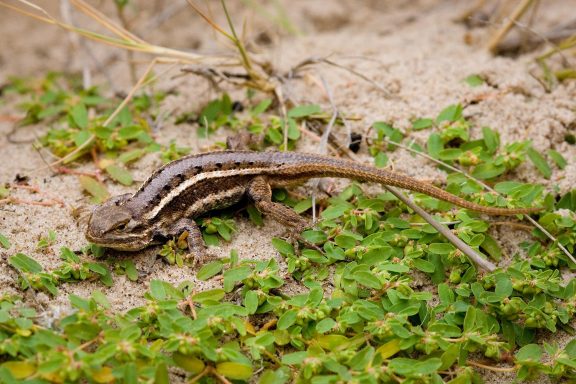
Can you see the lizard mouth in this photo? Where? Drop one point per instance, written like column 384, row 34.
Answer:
column 121, row 242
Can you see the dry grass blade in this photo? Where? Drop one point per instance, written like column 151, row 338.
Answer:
column 103, row 20
column 110, row 118
column 257, row 77
column 126, row 40
column 518, row 12
column 209, row 20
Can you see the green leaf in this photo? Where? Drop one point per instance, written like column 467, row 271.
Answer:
column 119, row 174
column 450, row 113
column 94, row 188
column 19, row 370
column 4, row 192
column 161, row 375
column 130, row 156
column 410, row 367
column 81, row 137
column 130, row 132
column 424, row 265
column 380, row 160
column 361, row 359
column 450, row 154
column 131, row 271
column 294, row 358
column 303, row 206
column 209, row 270
column 393, row 267
column 367, row 279
column 4, row 242
column 389, row 349
column 314, row 237
column 282, row 246
column 261, row 107
column 469, row 319
column 336, row 210
column 422, row 124
column 491, row 247
column 162, row 290
column 529, row 353
column 189, row 363
column 97, row 268
column 445, row 294
column 234, row 371
column 238, row 273
column 345, row 241
column 557, row 158
column 80, row 115
column 503, row 285
column 332, row 342
column 488, row 171
column 474, row 80
column 304, row 111
column 491, row 139
column 263, row 339
column 233, row 275
column 440, row 248
column 279, row 376
column 255, row 215
column 567, row 362
column 216, row 294
column 568, row 201
column 325, row 325
column 435, row 145
column 540, row 162
column 24, row 263
column 293, row 130
column 385, row 129
column 251, row 301
column 287, row 319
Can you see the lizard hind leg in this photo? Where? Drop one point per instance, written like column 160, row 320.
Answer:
column 261, row 193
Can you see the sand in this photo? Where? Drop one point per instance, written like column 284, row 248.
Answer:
column 413, row 49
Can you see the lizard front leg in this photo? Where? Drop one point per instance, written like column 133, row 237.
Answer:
column 195, row 242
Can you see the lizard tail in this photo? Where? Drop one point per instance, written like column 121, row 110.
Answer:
column 330, row 167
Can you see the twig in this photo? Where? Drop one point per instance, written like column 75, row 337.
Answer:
column 531, row 220
column 523, row 227
column 444, row 231
column 488, row 367
column 283, row 114
column 324, row 140
column 325, row 60
column 222, row 379
column 14, row 200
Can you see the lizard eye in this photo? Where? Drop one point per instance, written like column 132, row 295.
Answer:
column 122, row 226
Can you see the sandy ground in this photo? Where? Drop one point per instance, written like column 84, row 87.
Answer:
column 413, row 49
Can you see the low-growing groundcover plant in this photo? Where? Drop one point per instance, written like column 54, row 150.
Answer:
column 381, row 296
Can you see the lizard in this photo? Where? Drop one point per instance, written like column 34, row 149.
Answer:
column 167, row 203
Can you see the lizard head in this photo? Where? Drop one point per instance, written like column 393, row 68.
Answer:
column 112, row 225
